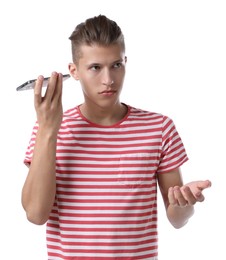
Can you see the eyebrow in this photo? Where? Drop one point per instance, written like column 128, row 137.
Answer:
column 120, row 60
column 98, row 64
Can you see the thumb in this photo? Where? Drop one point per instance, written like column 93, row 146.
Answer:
column 201, row 186
column 204, row 184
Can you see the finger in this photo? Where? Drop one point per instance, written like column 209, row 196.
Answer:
column 188, row 195
column 181, row 200
column 58, row 90
column 38, row 90
column 204, row 184
column 201, row 186
column 200, row 197
column 51, row 86
column 171, row 197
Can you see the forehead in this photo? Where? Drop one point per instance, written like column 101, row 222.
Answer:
column 99, row 54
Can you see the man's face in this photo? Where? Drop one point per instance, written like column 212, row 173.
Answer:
column 101, row 72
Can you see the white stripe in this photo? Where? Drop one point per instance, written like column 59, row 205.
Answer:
column 103, row 190
column 100, row 142
column 111, row 169
column 117, row 162
column 107, row 176
column 99, row 240
column 102, row 254
column 118, row 150
column 76, row 127
column 122, row 218
column 109, row 198
column 121, row 204
column 106, row 233
column 104, row 211
column 103, row 156
column 102, row 226
column 102, row 247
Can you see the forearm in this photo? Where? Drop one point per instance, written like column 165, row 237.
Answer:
column 39, row 190
column 179, row 216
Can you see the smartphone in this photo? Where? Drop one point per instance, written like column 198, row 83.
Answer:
column 30, row 84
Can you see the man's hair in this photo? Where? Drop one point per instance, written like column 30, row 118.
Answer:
column 98, row 30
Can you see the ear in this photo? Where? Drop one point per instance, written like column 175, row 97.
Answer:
column 73, row 71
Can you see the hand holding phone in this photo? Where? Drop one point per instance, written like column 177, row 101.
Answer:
column 49, row 107
column 30, row 84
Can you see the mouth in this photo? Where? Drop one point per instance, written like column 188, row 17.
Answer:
column 107, row 92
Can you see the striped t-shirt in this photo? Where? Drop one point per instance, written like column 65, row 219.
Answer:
column 106, row 199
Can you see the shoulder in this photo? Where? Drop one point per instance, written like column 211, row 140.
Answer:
column 72, row 112
column 72, row 118
column 147, row 115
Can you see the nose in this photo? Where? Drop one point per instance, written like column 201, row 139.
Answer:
column 107, row 78
column 109, row 83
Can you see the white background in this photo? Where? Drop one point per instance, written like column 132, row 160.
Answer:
column 176, row 66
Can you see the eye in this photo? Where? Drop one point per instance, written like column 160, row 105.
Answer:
column 95, row 67
column 117, row 65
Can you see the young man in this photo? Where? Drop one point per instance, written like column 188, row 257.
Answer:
column 94, row 169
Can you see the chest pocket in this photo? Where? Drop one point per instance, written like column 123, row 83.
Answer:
column 136, row 170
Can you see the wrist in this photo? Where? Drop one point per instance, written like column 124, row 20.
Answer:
column 47, row 134
column 179, row 216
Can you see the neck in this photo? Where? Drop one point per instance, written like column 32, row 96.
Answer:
column 104, row 116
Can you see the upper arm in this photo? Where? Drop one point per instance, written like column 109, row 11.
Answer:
column 167, row 180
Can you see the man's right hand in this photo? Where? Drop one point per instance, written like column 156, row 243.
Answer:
column 49, row 107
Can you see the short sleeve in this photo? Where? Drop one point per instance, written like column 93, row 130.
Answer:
column 173, row 153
